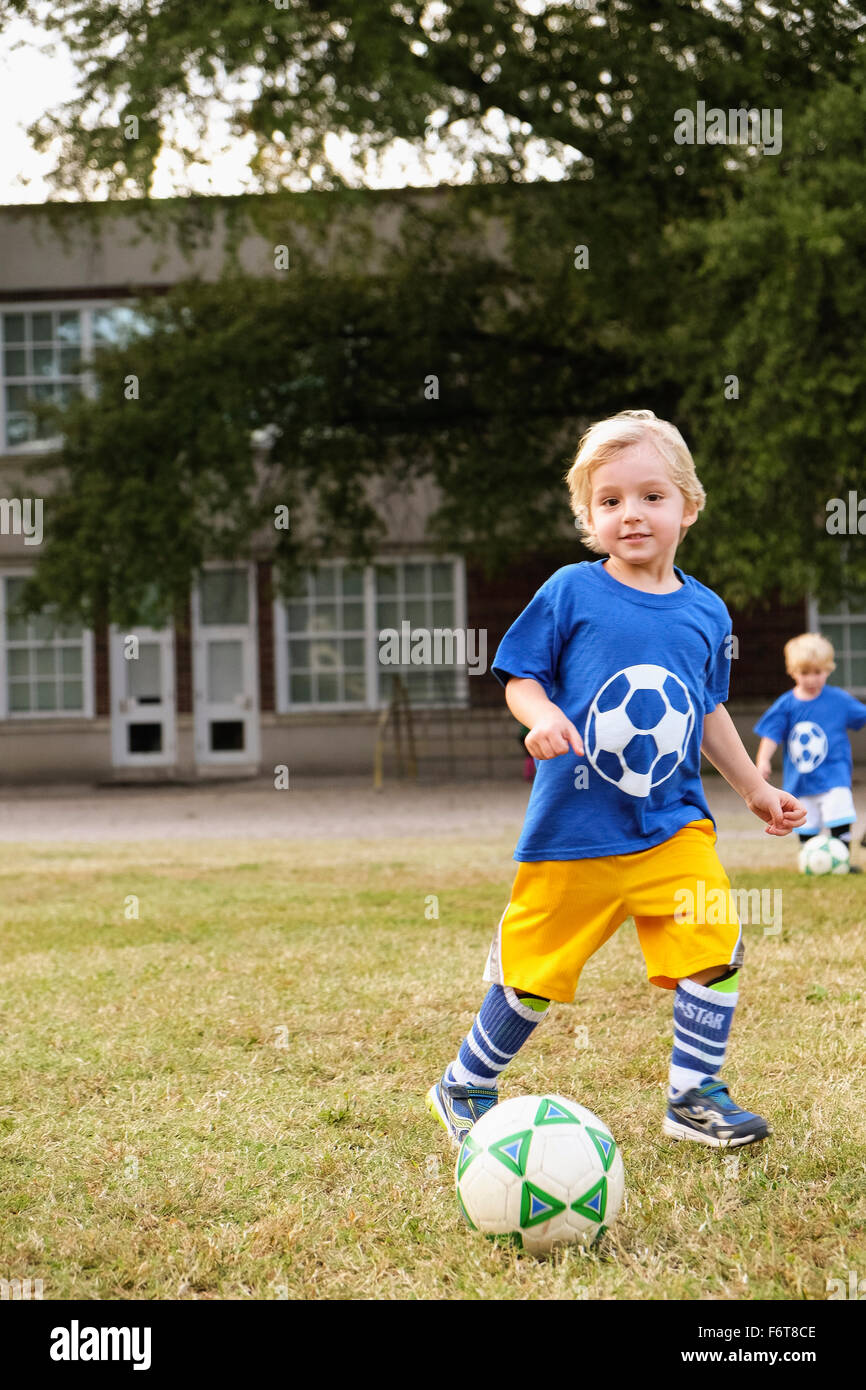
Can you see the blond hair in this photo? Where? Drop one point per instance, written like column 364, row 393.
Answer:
column 809, row 649
column 608, row 438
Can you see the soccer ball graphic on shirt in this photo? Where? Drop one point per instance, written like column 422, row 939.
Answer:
column 540, row 1171
column 638, row 728
column 807, row 746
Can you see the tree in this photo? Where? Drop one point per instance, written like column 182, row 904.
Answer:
column 779, row 301
column 498, row 83
column 683, row 276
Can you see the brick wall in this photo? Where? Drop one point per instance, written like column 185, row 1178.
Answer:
column 183, row 660
column 264, row 601
column 102, row 684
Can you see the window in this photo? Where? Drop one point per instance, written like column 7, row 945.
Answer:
column 47, row 664
column 327, row 634
column 44, row 355
column 41, row 362
column 325, row 639
column 421, row 594
column 845, row 627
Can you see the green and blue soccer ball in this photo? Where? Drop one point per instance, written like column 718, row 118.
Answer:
column 540, row 1171
column 824, row 854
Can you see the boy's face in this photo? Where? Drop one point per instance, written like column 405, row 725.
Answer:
column 812, row 679
column 636, row 509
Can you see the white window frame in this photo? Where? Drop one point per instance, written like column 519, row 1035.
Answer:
column 87, row 677
column 371, row 702
column 86, row 308
column 845, row 616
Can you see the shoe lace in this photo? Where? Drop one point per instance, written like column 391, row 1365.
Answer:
column 719, row 1092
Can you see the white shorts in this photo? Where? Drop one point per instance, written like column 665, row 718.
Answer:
column 827, row 811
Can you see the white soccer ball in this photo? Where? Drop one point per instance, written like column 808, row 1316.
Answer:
column 638, row 728
column 807, row 746
column 824, row 854
column 540, row 1171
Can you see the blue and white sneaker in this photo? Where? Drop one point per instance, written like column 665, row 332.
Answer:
column 709, row 1116
column 458, row 1107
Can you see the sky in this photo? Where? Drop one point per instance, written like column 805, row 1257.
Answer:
column 33, row 80
column 38, row 73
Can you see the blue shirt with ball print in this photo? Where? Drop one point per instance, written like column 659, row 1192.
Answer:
column 815, row 735
column 635, row 673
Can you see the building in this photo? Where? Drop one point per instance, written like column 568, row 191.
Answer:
column 247, row 683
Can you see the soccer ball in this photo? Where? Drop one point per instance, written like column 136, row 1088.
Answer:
column 638, row 728
column 824, row 854
column 540, row 1171
column 807, row 746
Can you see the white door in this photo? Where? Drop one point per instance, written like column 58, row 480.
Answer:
column 142, row 697
column 224, row 664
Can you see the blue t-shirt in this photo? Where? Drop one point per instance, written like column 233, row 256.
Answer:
column 635, row 673
column 815, row 735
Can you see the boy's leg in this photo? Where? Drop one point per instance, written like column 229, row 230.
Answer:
column 843, row 833
column 700, row 1106
column 505, row 1021
column 560, row 912
column 838, row 816
column 685, row 916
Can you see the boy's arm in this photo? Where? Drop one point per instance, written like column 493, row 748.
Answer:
column 550, row 733
column 766, row 749
column 724, row 748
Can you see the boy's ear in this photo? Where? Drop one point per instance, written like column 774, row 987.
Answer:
column 690, row 516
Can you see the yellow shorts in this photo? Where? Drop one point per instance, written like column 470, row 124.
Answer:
column 561, row 911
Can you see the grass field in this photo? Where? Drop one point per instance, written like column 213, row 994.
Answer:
column 223, row 1098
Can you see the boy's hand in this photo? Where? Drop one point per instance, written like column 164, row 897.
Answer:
column 764, row 768
column 782, row 810
column 553, row 735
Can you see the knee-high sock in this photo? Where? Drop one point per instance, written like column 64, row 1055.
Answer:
column 501, row 1027
column 702, row 1022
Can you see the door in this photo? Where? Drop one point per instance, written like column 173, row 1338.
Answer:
column 142, row 697
column 225, row 683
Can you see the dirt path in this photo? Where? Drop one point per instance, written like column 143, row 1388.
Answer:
column 317, row 810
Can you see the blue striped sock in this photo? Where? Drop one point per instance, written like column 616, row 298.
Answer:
column 501, row 1027
column 702, row 1022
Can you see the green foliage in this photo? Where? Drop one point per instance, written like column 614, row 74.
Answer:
column 704, row 262
column 496, row 86
column 779, row 299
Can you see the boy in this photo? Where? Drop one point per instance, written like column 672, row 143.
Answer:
column 606, row 654
column 813, row 722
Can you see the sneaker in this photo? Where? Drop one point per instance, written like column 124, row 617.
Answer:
column 854, row 869
column 708, row 1115
column 458, row 1107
